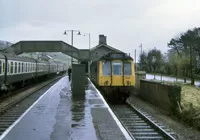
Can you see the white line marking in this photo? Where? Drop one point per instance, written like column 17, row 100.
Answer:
column 19, row 119
column 113, row 115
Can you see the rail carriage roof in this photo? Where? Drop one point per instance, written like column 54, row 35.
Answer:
column 116, row 55
column 16, row 57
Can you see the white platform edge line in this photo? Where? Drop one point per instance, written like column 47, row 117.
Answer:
column 127, row 136
column 17, row 121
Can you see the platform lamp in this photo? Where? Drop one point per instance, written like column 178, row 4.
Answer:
column 72, row 38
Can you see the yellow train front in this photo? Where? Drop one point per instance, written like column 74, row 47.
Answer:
column 114, row 75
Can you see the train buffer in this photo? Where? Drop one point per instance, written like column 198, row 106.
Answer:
column 60, row 115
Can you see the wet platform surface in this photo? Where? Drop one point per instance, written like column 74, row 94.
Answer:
column 60, row 115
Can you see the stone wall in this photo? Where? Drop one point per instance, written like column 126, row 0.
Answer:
column 161, row 95
column 139, row 75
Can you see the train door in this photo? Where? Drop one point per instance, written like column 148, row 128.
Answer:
column 117, row 78
column 128, row 76
column 106, row 73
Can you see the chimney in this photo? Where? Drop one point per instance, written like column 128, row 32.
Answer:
column 102, row 39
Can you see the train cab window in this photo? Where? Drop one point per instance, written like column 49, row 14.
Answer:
column 0, row 66
column 117, row 68
column 11, row 67
column 15, row 66
column 106, row 68
column 127, row 68
column 19, row 67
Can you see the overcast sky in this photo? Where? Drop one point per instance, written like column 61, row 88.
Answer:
column 126, row 23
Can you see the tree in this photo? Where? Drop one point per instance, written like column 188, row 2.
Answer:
column 143, row 61
column 155, row 60
column 187, row 46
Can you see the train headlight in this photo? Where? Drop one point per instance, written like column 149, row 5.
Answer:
column 128, row 83
column 106, row 83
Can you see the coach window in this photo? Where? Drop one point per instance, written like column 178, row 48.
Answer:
column 8, row 67
column 27, row 64
column 22, row 67
column 15, row 67
column 33, row 67
column 29, row 67
column 117, row 68
column 0, row 66
column 127, row 68
column 19, row 65
column 26, row 67
column 11, row 67
column 106, row 68
column 3, row 66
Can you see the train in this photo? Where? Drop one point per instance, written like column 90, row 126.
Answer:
column 114, row 74
column 17, row 71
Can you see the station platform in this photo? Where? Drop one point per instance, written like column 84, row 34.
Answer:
column 60, row 115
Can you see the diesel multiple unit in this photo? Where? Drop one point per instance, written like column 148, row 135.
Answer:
column 114, row 74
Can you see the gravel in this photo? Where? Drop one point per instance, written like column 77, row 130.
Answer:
column 183, row 131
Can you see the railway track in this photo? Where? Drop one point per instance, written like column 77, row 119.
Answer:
column 15, row 105
column 139, row 124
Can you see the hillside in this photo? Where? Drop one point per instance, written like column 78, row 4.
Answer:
column 4, row 44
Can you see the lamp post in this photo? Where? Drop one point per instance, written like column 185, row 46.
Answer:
column 72, row 38
column 141, row 47
column 89, row 52
column 89, row 42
